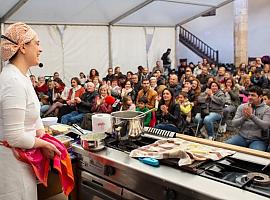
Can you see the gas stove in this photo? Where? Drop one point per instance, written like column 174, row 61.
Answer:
column 113, row 174
column 246, row 175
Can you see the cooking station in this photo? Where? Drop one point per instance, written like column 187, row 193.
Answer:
column 112, row 174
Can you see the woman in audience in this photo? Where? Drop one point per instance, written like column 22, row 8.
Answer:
column 92, row 74
column 245, row 85
column 75, row 91
column 232, row 101
column 128, row 91
column 168, row 113
column 59, row 97
column 41, row 86
column 100, row 105
column 82, row 78
column 212, row 101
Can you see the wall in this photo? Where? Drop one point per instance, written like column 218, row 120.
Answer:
column 217, row 31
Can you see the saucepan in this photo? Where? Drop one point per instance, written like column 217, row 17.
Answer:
column 93, row 141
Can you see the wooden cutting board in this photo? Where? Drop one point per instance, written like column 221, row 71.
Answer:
column 224, row 146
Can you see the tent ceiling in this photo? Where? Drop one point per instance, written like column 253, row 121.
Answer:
column 105, row 12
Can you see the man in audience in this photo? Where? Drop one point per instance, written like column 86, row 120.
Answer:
column 221, row 74
column 204, row 76
column 253, row 119
column 83, row 105
column 157, row 67
column 110, row 75
column 153, row 83
column 148, row 92
column 174, row 85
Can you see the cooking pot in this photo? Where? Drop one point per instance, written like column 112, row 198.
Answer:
column 93, row 141
column 127, row 124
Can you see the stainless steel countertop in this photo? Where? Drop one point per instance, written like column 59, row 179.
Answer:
column 175, row 176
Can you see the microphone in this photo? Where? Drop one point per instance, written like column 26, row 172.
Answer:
column 40, row 65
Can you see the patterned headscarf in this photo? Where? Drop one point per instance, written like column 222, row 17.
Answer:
column 15, row 35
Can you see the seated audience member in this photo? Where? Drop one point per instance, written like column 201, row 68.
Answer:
column 220, row 75
column 153, row 83
column 92, row 74
column 148, row 92
column 232, row 101
column 187, row 88
column 157, row 67
column 76, row 91
column 59, row 96
column 253, row 121
column 168, row 114
column 41, row 86
column 212, row 102
column 46, row 100
column 258, row 79
column 174, row 85
column 266, row 97
column 101, row 103
column 185, row 106
column 115, row 89
column 83, row 105
column 83, row 78
column 56, row 75
column 244, row 88
column 141, row 107
column 109, row 76
column 127, row 104
column 160, row 78
column 33, row 80
column 128, row 91
column 129, row 75
column 204, row 76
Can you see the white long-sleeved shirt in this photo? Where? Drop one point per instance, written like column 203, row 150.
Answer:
column 19, row 109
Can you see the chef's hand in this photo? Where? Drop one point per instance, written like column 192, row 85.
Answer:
column 47, row 148
column 50, row 150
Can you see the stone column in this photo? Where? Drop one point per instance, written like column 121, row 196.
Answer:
column 240, row 32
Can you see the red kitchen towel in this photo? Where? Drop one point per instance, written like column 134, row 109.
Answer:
column 40, row 164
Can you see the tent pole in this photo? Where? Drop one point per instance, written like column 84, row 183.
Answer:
column 110, row 45
column 2, row 32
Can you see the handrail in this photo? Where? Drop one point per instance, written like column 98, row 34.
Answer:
column 197, row 44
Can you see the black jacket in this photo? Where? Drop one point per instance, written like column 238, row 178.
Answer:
column 173, row 116
column 87, row 100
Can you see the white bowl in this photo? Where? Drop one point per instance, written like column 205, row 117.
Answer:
column 48, row 121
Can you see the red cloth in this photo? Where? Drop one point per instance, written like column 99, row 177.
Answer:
column 40, row 164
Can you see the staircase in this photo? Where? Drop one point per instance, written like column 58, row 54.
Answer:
column 198, row 46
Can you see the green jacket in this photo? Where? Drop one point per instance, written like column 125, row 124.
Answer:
column 148, row 116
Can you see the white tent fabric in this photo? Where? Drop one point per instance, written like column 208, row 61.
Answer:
column 75, row 34
column 104, row 12
column 80, row 48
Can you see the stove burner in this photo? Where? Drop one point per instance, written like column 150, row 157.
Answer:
column 259, row 178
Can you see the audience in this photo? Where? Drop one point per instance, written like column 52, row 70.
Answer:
column 205, row 92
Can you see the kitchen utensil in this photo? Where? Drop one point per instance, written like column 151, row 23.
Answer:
column 150, row 161
column 127, row 125
column 92, row 141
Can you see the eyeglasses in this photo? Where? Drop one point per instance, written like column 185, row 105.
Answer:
column 5, row 37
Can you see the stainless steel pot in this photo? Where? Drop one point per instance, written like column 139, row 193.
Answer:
column 128, row 124
column 93, row 141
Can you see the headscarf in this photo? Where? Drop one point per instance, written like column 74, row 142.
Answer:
column 17, row 34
